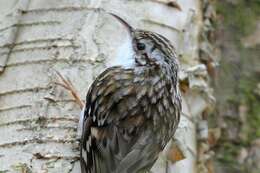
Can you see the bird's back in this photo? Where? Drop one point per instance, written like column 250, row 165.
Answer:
column 130, row 116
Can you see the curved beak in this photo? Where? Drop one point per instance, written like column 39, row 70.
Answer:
column 129, row 28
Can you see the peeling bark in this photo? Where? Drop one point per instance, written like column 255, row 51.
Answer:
column 38, row 119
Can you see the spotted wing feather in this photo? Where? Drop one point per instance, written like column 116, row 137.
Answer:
column 124, row 113
column 112, row 114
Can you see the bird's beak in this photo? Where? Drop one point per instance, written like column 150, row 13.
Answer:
column 129, row 28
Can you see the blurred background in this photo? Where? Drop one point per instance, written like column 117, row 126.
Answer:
column 237, row 86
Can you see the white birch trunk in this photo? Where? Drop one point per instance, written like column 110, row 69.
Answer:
column 38, row 119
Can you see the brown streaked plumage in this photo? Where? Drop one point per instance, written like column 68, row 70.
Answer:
column 132, row 111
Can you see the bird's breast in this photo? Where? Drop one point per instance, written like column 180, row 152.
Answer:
column 159, row 99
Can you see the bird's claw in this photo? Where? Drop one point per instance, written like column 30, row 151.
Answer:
column 67, row 84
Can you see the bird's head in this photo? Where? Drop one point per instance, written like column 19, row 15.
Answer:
column 150, row 48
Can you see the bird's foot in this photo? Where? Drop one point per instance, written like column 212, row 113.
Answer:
column 67, row 84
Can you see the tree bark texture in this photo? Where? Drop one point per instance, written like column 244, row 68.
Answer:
column 38, row 118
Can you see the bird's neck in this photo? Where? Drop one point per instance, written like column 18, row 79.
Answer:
column 169, row 73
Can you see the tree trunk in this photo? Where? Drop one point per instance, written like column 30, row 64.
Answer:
column 38, row 118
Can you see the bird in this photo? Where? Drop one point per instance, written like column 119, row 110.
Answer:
column 133, row 108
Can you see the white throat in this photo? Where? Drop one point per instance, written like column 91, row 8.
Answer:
column 125, row 54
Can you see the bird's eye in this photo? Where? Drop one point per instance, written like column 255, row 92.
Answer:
column 140, row 46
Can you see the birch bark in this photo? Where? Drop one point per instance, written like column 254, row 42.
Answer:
column 38, row 119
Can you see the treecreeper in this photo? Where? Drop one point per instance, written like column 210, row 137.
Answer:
column 132, row 109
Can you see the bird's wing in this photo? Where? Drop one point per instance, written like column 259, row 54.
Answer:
column 114, row 116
